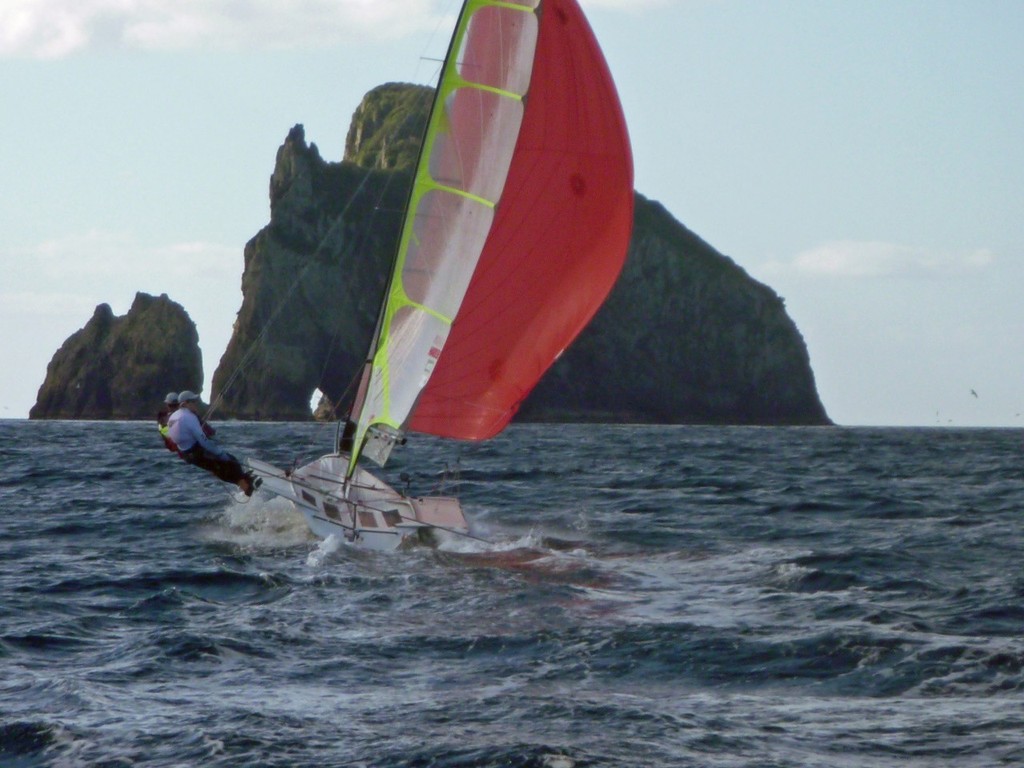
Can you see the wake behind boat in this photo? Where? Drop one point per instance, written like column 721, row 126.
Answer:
column 516, row 228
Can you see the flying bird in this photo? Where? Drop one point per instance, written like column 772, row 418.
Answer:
column 974, row 393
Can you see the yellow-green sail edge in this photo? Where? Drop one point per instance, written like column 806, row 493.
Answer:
column 423, row 183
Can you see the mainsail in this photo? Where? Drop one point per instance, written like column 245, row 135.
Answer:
column 517, row 225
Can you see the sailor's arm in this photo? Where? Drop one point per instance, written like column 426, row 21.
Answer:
column 210, row 446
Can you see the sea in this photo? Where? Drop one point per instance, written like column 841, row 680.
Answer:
column 630, row 596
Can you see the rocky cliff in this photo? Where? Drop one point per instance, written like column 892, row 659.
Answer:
column 686, row 336
column 314, row 276
column 122, row 367
column 312, row 283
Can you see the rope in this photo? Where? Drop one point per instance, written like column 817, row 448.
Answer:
column 260, row 337
column 257, row 342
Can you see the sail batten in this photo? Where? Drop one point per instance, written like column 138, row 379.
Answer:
column 447, row 185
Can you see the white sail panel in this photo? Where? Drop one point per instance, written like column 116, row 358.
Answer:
column 474, row 155
column 415, row 344
column 506, row 62
column 448, row 233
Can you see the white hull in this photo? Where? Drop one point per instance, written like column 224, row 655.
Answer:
column 366, row 511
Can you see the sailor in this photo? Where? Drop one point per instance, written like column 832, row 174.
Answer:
column 196, row 448
column 170, row 406
column 162, row 418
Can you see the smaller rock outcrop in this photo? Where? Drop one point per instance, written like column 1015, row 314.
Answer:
column 122, row 367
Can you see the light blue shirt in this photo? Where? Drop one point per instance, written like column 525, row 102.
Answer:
column 185, row 430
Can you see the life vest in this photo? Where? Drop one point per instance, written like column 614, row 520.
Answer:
column 164, row 429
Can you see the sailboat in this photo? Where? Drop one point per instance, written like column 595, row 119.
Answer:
column 516, row 228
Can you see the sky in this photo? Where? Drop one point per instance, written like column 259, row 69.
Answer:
column 864, row 158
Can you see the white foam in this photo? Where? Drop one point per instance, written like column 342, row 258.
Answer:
column 453, row 542
column 261, row 524
column 324, row 550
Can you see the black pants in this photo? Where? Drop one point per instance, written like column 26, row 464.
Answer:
column 227, row 469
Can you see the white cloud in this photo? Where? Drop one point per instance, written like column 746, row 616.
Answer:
column 55, row 286
column 852, row 259
column 627, row 5
column 18, row 304
column 50, row 29
column 57, row 28
column 70, row 276
column 117, row 257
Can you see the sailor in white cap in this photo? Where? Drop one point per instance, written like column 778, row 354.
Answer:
column 186, row 430
column 170, row 406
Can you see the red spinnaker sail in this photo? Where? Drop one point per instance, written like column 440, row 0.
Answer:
column 558, row 243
